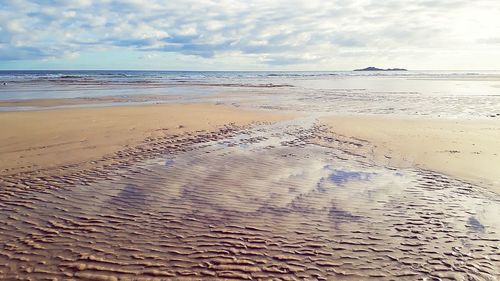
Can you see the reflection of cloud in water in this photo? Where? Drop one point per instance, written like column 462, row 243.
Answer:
column 341, row 177
column 475, row 225
column 339, row 215
column 130, row 196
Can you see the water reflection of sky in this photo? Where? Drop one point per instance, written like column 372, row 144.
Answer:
column 131, row 196
column 475, row 225
column 341, row 176
column 169, row 162
column 68, row 91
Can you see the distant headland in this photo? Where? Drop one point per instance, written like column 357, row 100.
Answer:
column 371, row 68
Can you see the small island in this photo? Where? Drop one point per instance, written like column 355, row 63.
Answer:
column 371, row 68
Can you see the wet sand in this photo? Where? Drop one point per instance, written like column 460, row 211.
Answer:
column 284, row 201
column 13, row 105
column 212, row 192
column 45, row 102
column 466, row 149
column 50, row 139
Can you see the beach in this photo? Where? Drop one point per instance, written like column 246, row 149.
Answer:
column 250, row 181
column 249, row 140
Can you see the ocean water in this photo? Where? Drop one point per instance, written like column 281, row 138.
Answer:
column 422, row 93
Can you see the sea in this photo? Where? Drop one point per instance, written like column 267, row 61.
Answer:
column 435, row 93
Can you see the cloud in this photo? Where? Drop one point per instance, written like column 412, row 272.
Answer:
column 20, row 53
column 268, row 32
column 492, row 40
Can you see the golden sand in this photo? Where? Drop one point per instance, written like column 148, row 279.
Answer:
column 466, row 149
column 36, row 140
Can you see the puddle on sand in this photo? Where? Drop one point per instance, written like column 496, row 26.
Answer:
column 475, row 225
column 265, row 204
column 341, row 177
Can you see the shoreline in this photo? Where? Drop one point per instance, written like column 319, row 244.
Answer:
column 96, row 101
column 464, row 149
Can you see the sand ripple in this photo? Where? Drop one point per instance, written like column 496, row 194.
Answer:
column 287, row 201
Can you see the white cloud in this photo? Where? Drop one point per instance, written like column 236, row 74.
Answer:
column 321, row 34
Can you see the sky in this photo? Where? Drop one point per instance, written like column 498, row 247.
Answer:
column 250, row 35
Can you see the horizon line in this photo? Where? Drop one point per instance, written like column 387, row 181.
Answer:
column 183, row 70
